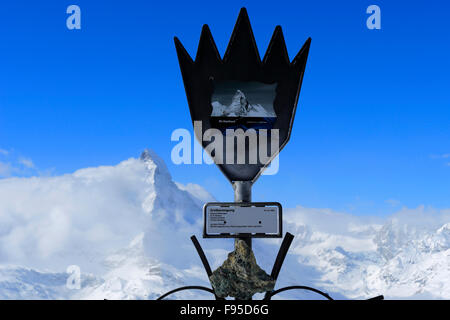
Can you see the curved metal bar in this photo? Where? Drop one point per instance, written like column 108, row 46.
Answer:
column 282, row 254
column 204, row 260
column 187, row 288
column 202, row 255
column 271, row 294
column 280, row 258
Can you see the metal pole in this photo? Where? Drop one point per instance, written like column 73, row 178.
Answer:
column 243, row 193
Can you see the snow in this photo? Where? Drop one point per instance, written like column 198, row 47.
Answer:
column 240, row 107
column 128, row 227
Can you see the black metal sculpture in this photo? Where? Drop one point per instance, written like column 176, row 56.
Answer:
column 278, row 81
column 242, row 65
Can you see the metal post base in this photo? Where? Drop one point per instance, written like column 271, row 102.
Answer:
column 288, row 238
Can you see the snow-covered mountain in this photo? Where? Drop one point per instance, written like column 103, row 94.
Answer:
column 119, row 224
column 240, row 107
column 127, row 227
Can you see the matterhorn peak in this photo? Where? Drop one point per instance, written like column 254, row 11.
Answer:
column 154, row 162
column 239, row 98
column 148, row 155
column 164, row 198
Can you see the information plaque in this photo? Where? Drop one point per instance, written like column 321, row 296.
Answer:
column 232, row 220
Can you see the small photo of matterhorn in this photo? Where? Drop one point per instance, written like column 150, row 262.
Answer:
column 236, row 99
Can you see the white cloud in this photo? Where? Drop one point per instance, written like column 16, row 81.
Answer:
column 44, row 217
column 27, row 163
column 197, row 192
column 51, row 222
column 5, row 169
column 13, row 165
column 441, row 156
column 393, row 202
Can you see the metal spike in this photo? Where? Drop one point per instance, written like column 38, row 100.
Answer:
column 207, row 49
column 242, row 44
column 299, row 61
column 276, row 53
column 183, row 55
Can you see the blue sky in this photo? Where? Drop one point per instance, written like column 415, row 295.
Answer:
column 371, row 132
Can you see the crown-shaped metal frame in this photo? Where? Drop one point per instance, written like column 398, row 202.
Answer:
column 242, row 62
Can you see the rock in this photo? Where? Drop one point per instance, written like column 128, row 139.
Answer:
column 240, row 276
column 239, row 104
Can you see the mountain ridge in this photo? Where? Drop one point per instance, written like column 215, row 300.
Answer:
column 128, row 226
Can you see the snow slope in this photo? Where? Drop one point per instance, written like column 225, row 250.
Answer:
column 128, row 226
